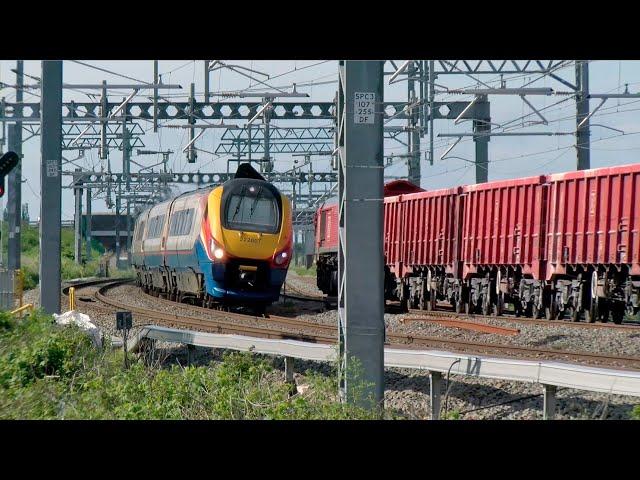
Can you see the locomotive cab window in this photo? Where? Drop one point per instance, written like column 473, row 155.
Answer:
column 251, row 207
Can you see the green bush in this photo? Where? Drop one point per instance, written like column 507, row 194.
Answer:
column 34, row 348
column 53, row 372
column 635, row 414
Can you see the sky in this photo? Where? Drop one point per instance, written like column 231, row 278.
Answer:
column 510, row 157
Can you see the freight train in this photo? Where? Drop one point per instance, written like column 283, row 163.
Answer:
column 229, row 244
column 565, row 245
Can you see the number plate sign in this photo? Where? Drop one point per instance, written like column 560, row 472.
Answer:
column 364, row 107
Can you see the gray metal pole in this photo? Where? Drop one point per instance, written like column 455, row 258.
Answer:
column 206, row 81
column 14, row 211
column 413, row 144
column 481, row 129
column 126, row 168
column 77, row 221
column 104, row 107
column 14, row 182
column 267, row 139
column 191, row 151
column 87, row 225
column 117, row 227
column 360, row 263
column 432, row 97
column 583, row 134
column 155, row 96
column 50, row 185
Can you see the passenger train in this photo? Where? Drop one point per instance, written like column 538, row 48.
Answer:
column 225, row 245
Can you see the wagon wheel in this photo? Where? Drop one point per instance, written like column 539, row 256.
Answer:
column 575, row 314
column 422, row 304
column 618, row 315
column 404, row 305
column 498, row 307
column 630, row 310
column 535, row 311
column 486, row 305
column 591, row 315
column 459, row 306
column 431, row 303
column 549, row 311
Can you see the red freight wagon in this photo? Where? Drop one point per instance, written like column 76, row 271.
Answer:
column 326, row 248
column 421, row 245
column 501, row 242
column 326, row 237
column 593, row 241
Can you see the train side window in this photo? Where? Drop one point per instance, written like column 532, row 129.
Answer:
column 140, row 231
column 188, row 222
column 175, row 220
column 155, row 226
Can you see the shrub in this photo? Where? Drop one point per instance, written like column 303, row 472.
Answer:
column 48, row 371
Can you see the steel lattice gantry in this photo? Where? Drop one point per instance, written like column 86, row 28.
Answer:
column 175, row 110
column 97, row 178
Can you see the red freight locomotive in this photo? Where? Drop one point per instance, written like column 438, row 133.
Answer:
column 562, row 245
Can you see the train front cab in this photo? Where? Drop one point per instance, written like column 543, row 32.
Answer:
column 249, row 242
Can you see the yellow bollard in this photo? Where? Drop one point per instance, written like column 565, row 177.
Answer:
column 72, row 298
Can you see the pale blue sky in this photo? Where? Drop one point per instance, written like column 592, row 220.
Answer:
column 509, row 157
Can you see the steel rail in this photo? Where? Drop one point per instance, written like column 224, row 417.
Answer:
column 523, row 320
column 321, row 333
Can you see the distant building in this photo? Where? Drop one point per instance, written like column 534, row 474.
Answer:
column 103, row 229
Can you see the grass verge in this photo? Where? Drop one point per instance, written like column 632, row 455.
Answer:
column 53, row 372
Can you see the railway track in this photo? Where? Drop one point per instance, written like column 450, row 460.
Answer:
column 299, row 329
column 528, row 321
column 447, row 314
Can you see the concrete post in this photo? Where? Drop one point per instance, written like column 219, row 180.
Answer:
column 435, row 392
column 549, row 408
column 288, row 370
column 360, row 260
column 50, row 185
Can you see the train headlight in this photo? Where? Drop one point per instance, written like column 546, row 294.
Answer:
column 216, row 250
column 281, row 258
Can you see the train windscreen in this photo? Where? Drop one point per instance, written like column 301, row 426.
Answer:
column 253, row 209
